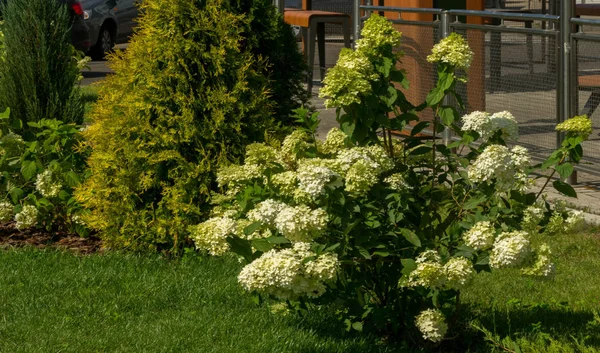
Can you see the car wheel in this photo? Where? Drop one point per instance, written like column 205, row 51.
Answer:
column 104, row 45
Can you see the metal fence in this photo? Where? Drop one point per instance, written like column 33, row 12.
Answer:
column 529, row 64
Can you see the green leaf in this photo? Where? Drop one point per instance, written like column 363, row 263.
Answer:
column 419, row 127
column 252, row 228
column 262, row 245
column 474, row 202
column 448, row 115
column 63, row 195
column 5, row 114
column 411, row 237
column 72, row 179
column 565, row 170
column 364, row 252
column 435, row 96
column 278, row 240
column 445, row 80
column 576, row 153
column 358, row 326
column 241, row 247
column 28, row 169
column 408, row 265
column 16, row 194
column 333, row 247
column 483, row 259
column 564, row 188
column 464, row 251
column 420, row 150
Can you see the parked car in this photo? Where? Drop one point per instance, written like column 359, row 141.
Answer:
column 100, row 24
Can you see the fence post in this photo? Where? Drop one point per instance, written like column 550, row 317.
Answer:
column 445, row 32
column 567, row 70
column 356, row 22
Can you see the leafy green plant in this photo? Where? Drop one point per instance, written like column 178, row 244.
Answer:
column 185, row 97
column 39, row 176
column 392, row 231
column 38, row 74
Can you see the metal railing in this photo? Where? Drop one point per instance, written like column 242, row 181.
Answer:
column 529, row 66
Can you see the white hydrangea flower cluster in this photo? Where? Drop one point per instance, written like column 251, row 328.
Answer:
column 579, row 125
column 285, row 182
column 313, row 180
column 294, row 143
column 432, row 325
column 486, row 125
column 497, row 162
column 349, row 79
column 575, row 221
column 212, row 235
column 456, row 274
column 542, row 266
column 6, row 211
column 334, row 142
column 235, row 176
column 27, row 218
column 397, row 182
column 300, row 223
column 453, row 50
column 78, row 219
column 481, row 236
column 363, row 166
column 532, row 216
column 377, row 35
column 286, row 274
column 511, row 249
column 266, row 212
column 47, row 185
column 261, row 155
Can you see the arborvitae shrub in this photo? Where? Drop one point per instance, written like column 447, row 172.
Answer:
column 184, row 98
column 267, row 35
column 38, row 75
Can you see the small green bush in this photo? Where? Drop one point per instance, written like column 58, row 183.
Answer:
column 184, row 98
column 268, row 36
column 37, row 76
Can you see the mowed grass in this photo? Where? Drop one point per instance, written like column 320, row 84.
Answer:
column 53, row 301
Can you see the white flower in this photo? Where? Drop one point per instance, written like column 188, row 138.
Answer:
column 266, row 211
column 459, row 273
column 429, row 272
column 532, row 216
column 235, row 176
column 47, row 185
column 212, row 235
column 286, row 274
column 361, row 177
column 453, row 50
column 313, row 180
column 510, row 250
column 479, row 122
column 497, row 162
column 543, row 265
column 261, row 155
column 27, row 218
column 6, row 211
column 481, row 236
column 506, row 123
column 575, row 221
column 334, row 142
column 486, row 125
column 397, row 182
column 432, row 325
column 286, row 182
column 300, row 223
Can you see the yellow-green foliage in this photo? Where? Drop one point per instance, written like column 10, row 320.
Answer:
column 183, row 99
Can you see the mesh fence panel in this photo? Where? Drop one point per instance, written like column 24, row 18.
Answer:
column 588, row 94
column 332, row 31
column 515, row 72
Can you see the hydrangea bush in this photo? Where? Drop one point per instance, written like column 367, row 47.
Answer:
column 390, row 230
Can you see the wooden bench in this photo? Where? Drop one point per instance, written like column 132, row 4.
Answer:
column 590, row 83
column 312, row 24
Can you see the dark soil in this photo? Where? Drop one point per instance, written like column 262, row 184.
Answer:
column 11, row 237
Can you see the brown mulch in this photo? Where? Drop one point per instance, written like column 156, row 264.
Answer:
column 11, row 237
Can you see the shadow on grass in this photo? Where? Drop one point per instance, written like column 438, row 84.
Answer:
column 556, row 321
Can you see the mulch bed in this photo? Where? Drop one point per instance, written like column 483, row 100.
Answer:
column 11, row 237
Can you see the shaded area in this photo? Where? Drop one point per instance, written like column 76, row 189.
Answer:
column 11, row 237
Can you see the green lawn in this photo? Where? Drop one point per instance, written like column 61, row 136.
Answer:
column 53, row 301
